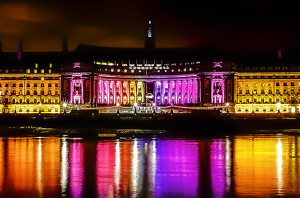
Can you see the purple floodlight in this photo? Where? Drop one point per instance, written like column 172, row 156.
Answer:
column 76, row 65
column 218, row 64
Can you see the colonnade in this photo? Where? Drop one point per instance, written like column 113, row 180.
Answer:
column 112, row 92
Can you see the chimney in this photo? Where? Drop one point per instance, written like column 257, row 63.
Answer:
column 20, row 49
column 64, row 45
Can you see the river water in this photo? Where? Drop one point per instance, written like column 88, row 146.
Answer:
column 233, row 166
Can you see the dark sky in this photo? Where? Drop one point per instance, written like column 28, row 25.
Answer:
column 250, row 24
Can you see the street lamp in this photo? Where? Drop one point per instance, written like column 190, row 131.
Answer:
column 64, row 107
column 135, row 105
column 40, row 105
column 278, row 106
column 227, row 106
column 118, row 104
column 293, row 110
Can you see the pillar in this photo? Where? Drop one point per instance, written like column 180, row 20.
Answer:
column 212, row 91
column 114, row 91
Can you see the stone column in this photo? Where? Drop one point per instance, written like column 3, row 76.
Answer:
column 169, row 93
column 108, row 91
column 128, row 91
column 143, row 91
column 135, row 91
column 121, row 91
column 114, row 91
column 212, row 91
column 99, row 95
column 223, row 90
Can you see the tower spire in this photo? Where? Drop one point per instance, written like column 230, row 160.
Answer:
column 150, row 37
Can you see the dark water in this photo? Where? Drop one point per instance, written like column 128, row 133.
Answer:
column 239, row 166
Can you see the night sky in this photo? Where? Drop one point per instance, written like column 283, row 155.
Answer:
column 249, row 24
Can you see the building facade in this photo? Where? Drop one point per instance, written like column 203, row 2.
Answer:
column 93, row 76
column 30, row 91
column 267, row 91
column 159, row 85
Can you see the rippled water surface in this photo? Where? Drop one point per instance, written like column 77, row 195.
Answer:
column 237, row 166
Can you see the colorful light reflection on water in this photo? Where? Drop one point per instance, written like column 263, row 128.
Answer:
column 249, row 165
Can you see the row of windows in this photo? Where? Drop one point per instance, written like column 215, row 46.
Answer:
column 30, row 101
column 35, row 110
column 270, row 100
column 36, row 71
column 266, row 77
column 285, row 91
column 270, row 84
column 151, row 70
column 274, row 109
column 28, row 92
column 28, row 85
column 29, row 78
column 292, row 68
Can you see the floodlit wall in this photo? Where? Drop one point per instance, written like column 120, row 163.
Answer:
column 267, row 92
column 35, row 92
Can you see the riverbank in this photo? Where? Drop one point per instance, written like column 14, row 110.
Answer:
column 180, row 125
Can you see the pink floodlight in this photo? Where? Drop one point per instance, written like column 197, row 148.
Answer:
column 76, row 65
column 218, row 64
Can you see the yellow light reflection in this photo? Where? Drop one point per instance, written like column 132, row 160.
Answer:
column 51, row 165
column 1, row 163
column 152, row 166
column 262, row 165
column 279, row 166
column 22, row 164
column 134, row 174
column 64, row 167
column 39, row 168
column 118, row 166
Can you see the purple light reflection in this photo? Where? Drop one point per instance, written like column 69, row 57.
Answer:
column 218, row 168
column 177, row 169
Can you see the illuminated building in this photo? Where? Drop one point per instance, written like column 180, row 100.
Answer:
column 93, row 76
column 30, row 82
column 30, row 90
column 267, row 90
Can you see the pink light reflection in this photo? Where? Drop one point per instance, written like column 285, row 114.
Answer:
column 218, row 168
column 105, row 171
column 76, row 169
